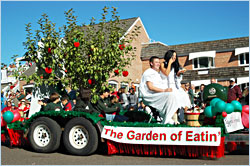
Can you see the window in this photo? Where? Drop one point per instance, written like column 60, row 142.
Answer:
column 125, row 85
column 203, row 62
column 244, row 58
column 114, row 85
column 243, row 86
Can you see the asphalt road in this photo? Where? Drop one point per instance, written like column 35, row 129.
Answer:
column 18, row 156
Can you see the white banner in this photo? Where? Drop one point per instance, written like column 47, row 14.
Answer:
column 200, row 136
column 233, row 122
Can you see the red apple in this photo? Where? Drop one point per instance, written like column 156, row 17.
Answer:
column 48, row 70
column 116, row 71
column 76, row 44
column 121, row 46
column 90, row 81
column 125, row 73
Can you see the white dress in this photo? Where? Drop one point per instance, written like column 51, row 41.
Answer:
column 164, row 102
column 170, row 82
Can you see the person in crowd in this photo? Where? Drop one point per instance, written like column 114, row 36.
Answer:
column 135, row 115
column 124, row 99
column 144, row 108
column 234, row 92
column 115, row 102
column 71, row 93
column 191, row 94
column 111, row 113
column 108, row 100
column 83, row 102
column 245, row 94
column 29, row 95
column 22, row 107
column 2, row 100
column 68, row 104
column 5, row 98
column 200, row 100
column 115, row 93
column 141, row 106
column 13, row 107
column 152, row 93
column 26, row 109
column 119, row 94
column 15, row 100
column 20, row 95
column 132, row 98
column 43, row 103
column 54, row 103
column 8, row 106
column 186, row 88
column 133, row 86
column 213, row 81
column 171, row 74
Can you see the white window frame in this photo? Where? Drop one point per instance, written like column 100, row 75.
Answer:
column 114, row 82
column 209, row 64
column 126, row 84
column 244, row 54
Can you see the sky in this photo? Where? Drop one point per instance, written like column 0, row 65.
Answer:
column 169, row 22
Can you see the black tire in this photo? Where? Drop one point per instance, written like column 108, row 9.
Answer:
column 80, row 137
column 50, row 132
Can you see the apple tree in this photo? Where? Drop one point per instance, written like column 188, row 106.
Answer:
column 80, row 56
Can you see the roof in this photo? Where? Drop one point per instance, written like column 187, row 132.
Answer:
column 125, row 24
column 30, row 70
column 158, row 49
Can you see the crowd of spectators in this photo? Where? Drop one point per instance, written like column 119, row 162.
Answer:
column 110, row 103
column 19, row 100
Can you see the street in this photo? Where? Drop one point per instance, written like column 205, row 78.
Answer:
column 18, row 156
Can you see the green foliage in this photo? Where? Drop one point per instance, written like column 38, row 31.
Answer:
column 3, row 64
column 85, row 52
column 14, row 57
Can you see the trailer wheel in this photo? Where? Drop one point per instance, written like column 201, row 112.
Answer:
column 44, row 135
column 80, row 137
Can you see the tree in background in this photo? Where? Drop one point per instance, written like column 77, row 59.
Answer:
column 82, row 57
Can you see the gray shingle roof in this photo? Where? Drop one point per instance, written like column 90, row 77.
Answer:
column 30, row 70
column 158, row 49
column 125, row 24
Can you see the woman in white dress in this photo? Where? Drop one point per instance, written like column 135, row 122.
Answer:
column 171, row 76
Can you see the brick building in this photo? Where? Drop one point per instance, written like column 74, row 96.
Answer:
column 136, row 68
column 219, row 59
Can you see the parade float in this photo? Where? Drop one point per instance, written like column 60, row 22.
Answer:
column 85, row 59
column 81, row 133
